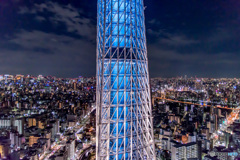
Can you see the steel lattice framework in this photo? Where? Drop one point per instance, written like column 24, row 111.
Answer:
column 124, row 114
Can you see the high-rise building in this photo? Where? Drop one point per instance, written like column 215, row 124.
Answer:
column 20, row 125
column 5, row 149
column 32, row 122
column 5, row 123
column 33, row 139
column 185, row 151
column 71, row 149
column 74, row 86
column 124, row 113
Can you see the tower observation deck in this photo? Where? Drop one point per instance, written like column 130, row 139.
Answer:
column 124, row 113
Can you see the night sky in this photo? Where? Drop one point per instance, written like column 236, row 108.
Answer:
column 185, row 37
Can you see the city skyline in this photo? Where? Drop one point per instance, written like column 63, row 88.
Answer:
column 59, row 38
column 114, row 109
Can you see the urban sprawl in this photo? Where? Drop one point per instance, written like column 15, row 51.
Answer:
column 45, row 117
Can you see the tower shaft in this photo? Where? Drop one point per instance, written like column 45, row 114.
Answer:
column 124, row 114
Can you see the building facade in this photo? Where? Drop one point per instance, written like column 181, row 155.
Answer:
column 185, row 151
column 124, row 114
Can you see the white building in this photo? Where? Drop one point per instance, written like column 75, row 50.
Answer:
column 192, row 138
column 185, row 151
column 4, row 123
column 71, row 149
column 19, row 124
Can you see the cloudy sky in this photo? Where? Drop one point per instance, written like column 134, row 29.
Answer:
column 185, row 37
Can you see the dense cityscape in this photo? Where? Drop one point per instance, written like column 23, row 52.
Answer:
column 124, row 106
column 55, row 118
column 47, row 117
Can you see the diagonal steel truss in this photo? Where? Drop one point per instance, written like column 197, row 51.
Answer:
column 124, row 114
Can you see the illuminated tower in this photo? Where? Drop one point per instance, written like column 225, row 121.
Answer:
column 124, row 114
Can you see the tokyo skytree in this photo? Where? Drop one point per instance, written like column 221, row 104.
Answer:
column 124, row 113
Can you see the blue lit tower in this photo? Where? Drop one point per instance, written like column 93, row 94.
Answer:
column 124, row 114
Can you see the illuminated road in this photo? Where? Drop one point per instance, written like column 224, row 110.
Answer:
column 85, row 153
column 57, row 147
column 54, row 149
column 223, row 127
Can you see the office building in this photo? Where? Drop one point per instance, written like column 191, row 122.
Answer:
column 185, row 151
